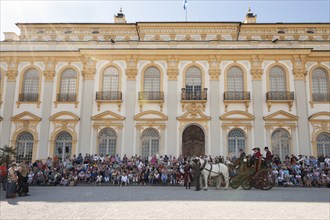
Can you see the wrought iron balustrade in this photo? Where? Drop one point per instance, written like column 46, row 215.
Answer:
column 236, row 95
column 280, row 95
column 321, row 97
column 67, row 97
column 28, row 97
column 196, row 95
column 151, row 95
column 109, row 95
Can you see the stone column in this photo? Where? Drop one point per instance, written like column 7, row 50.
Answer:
column 8, row 102
column 49, row 75
column 172, row 99
column 224, row 149
column 130, row 106
column 268, row 138
column 300, row 94
column 214, row 99
column 94, row 139
column 120, row 141
column 86, row 109
column 162, row 141
column 258, row 101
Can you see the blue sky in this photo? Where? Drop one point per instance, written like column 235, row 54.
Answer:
column 102, row 11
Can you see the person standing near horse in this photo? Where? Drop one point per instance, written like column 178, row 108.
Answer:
column 187, row 175
column 197, row 174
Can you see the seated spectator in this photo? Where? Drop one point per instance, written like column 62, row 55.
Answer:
column 40, row 180
column 107, row 176
column 124, row 179
column 81, row 176
column 98, row 179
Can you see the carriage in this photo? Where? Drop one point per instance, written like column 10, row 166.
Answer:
column 255, row 175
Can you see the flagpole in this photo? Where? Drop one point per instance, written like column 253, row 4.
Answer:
column 186, row 14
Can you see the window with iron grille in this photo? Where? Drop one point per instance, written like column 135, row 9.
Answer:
column 110, row 79
column 107, row 142
column 236, row 141
column 323, row 143
column 277, row 79
column 63, row 145
column 320, row 85
column 24, row 147
column 30, row 88
column 281, row 143
column 68, row 85
column 193, row 80
column 235, row 79
column 151, row 79
column 150, row 142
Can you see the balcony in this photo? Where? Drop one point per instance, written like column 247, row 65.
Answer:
column 156, row 97
column 151, row 95
column 111, row 97
column 196, row 97
column 320, row 98
column 236, row 97
column 66, row 98
column 28, row 98
column 279, row 97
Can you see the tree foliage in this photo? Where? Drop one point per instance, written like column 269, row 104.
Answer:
column 7, row 155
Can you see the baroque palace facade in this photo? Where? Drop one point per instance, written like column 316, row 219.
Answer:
column 170, row 88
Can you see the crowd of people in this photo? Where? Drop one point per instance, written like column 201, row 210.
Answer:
column 306, row 171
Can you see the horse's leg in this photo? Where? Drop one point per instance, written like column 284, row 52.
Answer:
column 219, row 180
column 226, row 175
column 205, row 180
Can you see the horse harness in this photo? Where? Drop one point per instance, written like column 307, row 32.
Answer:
column 210, row 170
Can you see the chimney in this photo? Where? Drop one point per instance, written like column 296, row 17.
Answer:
column 250, row 17
column 120, row 17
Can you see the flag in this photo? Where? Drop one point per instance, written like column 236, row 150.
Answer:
column 185, row 4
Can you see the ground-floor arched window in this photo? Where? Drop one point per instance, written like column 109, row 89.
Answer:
column 281, row 143
column 236, row 141
column 63, row 145
column 107, row 142
column 323, row 144
column 150, row 142
column 24, row 147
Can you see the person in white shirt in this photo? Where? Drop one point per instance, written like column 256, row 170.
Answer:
column 124, row 179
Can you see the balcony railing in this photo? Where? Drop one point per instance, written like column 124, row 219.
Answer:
column 280, row 96
column 108, row 95
column 151, row 95
column 236, row 95
column 67, row 97
column 28, row 97
column 197, row 95
column 321, row 97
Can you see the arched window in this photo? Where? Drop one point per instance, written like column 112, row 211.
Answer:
column 151, row 84
column 107, row 142
column 236, row 141
column 323, row 143
column 235, row 79
column 150, row 142
column 68, row 86
column 277, row 79
column 320, row 85
column 63, row 145
column 193, row 84
column 110, row 84
column 281, row 143
column 30, row 89
column 24, row 147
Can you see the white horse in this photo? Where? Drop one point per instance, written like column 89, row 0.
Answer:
column 213, row 170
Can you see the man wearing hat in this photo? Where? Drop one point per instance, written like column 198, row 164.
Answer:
column 269, row 156
column 11, row 181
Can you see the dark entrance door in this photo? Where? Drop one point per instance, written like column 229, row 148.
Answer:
column 193, row 141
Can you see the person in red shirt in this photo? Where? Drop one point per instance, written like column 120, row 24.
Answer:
column 3, row 176
column 257, row 158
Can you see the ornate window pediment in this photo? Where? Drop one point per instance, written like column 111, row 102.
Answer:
column 320, row 116
column 108, row 116
column 64, row 116
column 237, row 115
column 194, row 115
column 281, row 116
column 25, row 116
column 150, row 116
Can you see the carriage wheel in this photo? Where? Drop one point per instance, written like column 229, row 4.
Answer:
column 261, row 180
column 270, row 181
column 246, row 183
column 235, row 181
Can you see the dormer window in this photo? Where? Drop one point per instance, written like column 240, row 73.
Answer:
column 281, row 31
column 310, row 31
column 67, row 32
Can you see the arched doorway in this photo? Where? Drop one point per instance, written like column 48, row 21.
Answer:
column 193, row 141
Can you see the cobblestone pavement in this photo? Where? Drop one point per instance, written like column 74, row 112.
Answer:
column 166, row 202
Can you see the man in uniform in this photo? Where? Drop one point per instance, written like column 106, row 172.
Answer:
column 197, row 174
